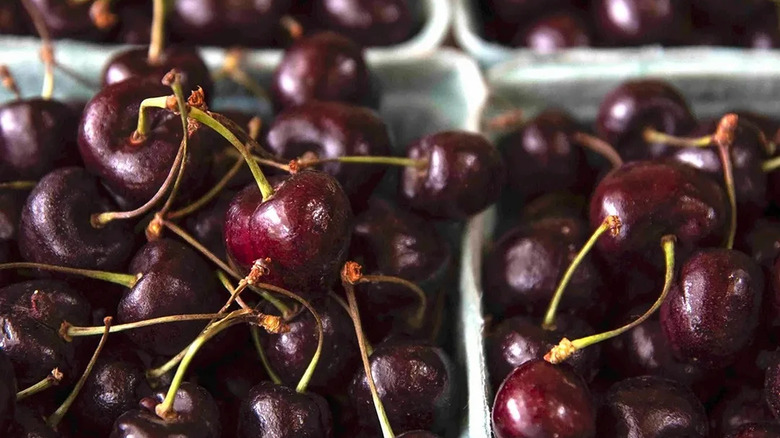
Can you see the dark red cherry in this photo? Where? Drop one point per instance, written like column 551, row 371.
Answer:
column 134, row 170
column 304, row 228
column 713, row 309
column 368, row 22
column 651, row 406
column 279, row 411
column 290, row 353
column 416, row 386
column 325, row 66
column 739, row 406
column 524, row 267
column 246, row 23
column 553, row 32
column 135, row 63
column 519, row 339
column 30, row 424
column 541, row 399
column 761, row 241
column 757, row 430
column 515, row 11
column 464, row 174
column 8, row 391
column 32, row 313
column 331, row 130
column 36, row 136
column 174, row 281
column 55, row 226
column 64, row 19
column 637, row 22
column 638, row 104
column 207, row 224
column 135, row 21
column 197, row 416
column 12, row 19
column 653, row 199
column 772, row 386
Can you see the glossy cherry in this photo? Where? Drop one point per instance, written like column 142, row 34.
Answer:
column 64, row 19
column 757, row 430
column 207, row 224
column 636, row 22
column 651, row 406
column 368, row 22
column 542, row 399
column 279, row 411
column 197, row 416
column 8, row 391
column 331, row 130
column 772, row 386
column 739, row 406
column 713, row 309
column 304, row 228
column 463, row 175
column 554, row 32
column 325, row 66
column 55, row 226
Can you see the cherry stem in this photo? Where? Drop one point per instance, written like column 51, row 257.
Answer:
column 292, row 26
column 68, row 331
column 231, row 67
column 771, row 165
column 18, row 185
column 211, row 194
column 506, row 120
column 724, row 139
column 142, row 130
column 126, row 280
column 652, row 135
column 349, row 272
column 51, row 379
column 610, row 223
column 47, row 51
column 345, row 306
column 566, row 348
column 600, row 147
column 271, row 163
column 57, row 416
column 263, row 359
column 393, row 161
column 157, row 42
column 419, row 317
column 174, row 79
column 9, row 82
column 231, row 290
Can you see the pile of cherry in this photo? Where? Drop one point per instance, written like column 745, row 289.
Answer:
column 245, row 23
column 637, row 298
column 228, row 268
column 550, row 25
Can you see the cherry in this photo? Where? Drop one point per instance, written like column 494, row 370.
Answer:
column 514, row 11
column 525, row 265
column 290, row 353
column 637, row 22
column 756, row 430
column 414, row 382
column 553, row 32
column 761, row 241
column 36, row 136
column 133, row 169
column 324, row 66
column 369, row 22
column 713, row 309
column 207, row 225
column 463, row 175
column 542, row 399
column 11, row 19
column 725, row 11
column 330, row 130
column 198, row 416
column 772, row 386
column 739, row 406
column 55, row 226
column 64, row 19
column 32, row 313
column 30, row 424
column 651, row 406
column 135, row 21
column 269, row 409
column 174, row 281
column 7, row 392
column 303, row 228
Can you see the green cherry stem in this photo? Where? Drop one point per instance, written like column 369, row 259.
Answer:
column 263, row 359
column 157, row 39
column 566, row 348
column 47, row 50
column 58, row 415
column 142, row 130
column 361, row 159
column 222, row 277
column 9, row 82
column 600, row 147
column 724, row 139
column 52, row 379
column 349, row 275
column 652, row 135
column 126, row 280
column 771, row 165
column 68, row 331
column 18, row 185
column 173, row 79
column 211, row 194
column 419, row 316
column 610, row 223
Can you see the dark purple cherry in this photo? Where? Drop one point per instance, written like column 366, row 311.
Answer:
column 175, row 281
column 553, row 32
column 36, row 136
column 367, row 22
column 415, row 383
column 134, row 170
column 135, row 21
column 539, row 399
column 726, row 11
column 637, row 22
column 760, row 30
column 246, row 23
column 207, row 224
column 519, row 339
column 304, row 228
column 524, row 267
column 739, row 406
column 713, row 308
column 325, row 66
column 332, row 130
column 290, row 353
column 65, row 19
column 31, row 314
column 55, row 226
column 198, row 416
column 772, row 386
column 761, row 241
column 28, row 423
column 463, row 175
column 8, row 391
column 635, row 105
column 135, row 63
column 653, row 199
column 515, row 11
column 651, row 406
column 757, row 430
column 280, row 412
